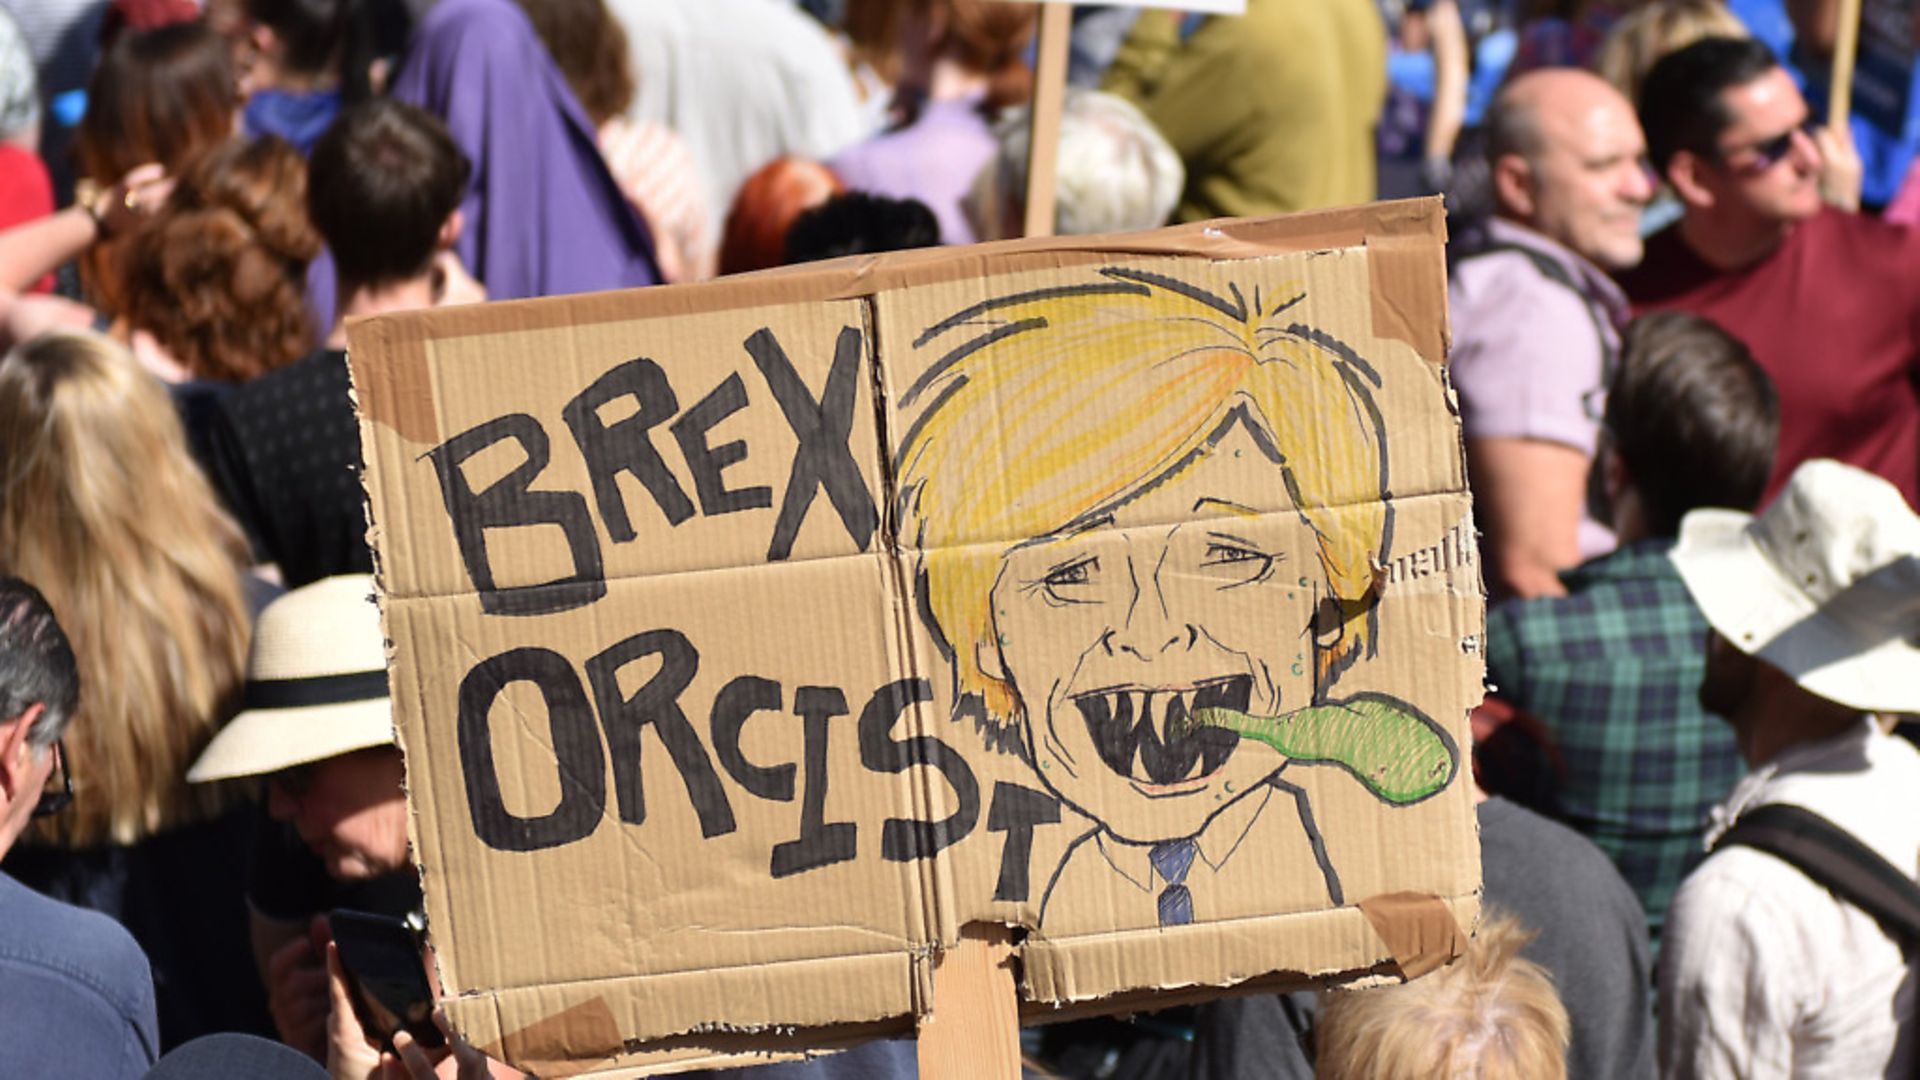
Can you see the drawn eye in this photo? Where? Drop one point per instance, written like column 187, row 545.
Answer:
column 1061, row 581
column 1244, row 564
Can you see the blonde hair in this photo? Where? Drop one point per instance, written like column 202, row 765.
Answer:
column 103, row 509
column 1646, row 34
column 1491, row 1015
column 1049, row 409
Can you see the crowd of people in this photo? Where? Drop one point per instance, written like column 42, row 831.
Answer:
column 1685, row 319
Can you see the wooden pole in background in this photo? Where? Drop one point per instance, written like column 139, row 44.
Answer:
column 973, row 1032
column 1846, row 47
column 1049, row 95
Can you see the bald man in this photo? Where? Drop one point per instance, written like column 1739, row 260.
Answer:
column 1536, row 319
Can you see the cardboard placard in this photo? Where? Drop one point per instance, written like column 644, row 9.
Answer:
column 750, row 638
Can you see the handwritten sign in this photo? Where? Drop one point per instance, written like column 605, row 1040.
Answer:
column 751, row 638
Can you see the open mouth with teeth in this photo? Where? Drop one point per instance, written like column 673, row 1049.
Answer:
column 1145, row 735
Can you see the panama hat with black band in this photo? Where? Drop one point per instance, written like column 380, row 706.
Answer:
column 316, row 684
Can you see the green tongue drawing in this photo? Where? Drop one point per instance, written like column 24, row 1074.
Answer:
column 1399, row 754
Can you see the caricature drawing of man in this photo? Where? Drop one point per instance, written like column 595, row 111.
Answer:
column 1135, row 499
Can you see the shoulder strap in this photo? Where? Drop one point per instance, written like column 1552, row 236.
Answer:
column 1552, row 269
column 1832, row 857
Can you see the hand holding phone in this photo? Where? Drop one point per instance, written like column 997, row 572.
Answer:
column 388, row 977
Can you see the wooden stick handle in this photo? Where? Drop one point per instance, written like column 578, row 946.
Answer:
column 1049, row 96
column 1846, row 47
column 973, row 1032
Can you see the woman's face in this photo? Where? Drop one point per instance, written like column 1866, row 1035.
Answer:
column 350, row 809
column 1186, row 597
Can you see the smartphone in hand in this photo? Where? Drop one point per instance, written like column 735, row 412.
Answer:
column 383, row 959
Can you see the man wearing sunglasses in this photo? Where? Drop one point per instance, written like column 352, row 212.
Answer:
column 1828, row 300
column 78, row 992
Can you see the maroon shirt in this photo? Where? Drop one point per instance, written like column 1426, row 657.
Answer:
column 1834, row 316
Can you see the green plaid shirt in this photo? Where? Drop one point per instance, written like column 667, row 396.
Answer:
column 1612, row 670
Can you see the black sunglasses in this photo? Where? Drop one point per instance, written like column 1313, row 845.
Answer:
column 52, row 802
column 1770, row 153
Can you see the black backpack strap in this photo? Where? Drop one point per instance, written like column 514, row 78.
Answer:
column 1553, row 270
column 1832, row 857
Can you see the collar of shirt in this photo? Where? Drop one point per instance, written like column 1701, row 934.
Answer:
column 1753, row 788
column 1594, row 281
column 1217, row 841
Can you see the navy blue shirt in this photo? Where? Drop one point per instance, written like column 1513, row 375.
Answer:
column 78, row 993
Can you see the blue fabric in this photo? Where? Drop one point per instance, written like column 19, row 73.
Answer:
column 181, row 894
column 298, row 118
column 543, row 215
column 78, row 995
column 231, row 1056
column 1173, row 859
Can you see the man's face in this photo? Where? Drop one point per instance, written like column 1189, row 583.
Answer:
column 349, row 809
column 1112, row 633
column 1590, row 180
column 1765, row 164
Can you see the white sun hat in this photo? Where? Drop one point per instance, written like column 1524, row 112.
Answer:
column 1824, row 584
column 316, row 684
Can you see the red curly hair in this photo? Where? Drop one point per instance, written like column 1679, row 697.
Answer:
column 219, row 277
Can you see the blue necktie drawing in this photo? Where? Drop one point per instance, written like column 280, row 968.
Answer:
column 1173, row 859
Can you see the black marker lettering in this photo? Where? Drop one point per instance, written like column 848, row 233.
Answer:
column 736, row 701
column 902, row 839
column 820, row 844
column 657, row 704
column 576, row 750
column 707, row 462
column 625, row 447
column 824, row 459
column 510, row 502
column 1015, row 811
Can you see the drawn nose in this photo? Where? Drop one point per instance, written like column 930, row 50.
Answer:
column 1149, row 632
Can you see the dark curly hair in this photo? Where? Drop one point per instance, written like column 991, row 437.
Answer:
column 219, row 277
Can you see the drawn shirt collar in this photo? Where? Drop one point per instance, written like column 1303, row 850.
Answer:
column 1217, row 841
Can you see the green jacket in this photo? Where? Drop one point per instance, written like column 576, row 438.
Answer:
column 1272, row 111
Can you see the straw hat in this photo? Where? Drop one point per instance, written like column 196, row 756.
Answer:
column 1824, row 585
column 316, row 684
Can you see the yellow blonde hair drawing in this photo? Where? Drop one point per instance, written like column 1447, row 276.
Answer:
column 1046, row 410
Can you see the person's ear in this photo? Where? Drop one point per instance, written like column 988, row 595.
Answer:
column 1513, row 186
column 16, row 754
column 450, row 231
column 1688, row 173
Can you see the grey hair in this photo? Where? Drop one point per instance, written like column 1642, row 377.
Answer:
column 1115, row 172
column 1513, row 127
column 36, row 663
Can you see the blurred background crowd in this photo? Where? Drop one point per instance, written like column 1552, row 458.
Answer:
column 1680, row 298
